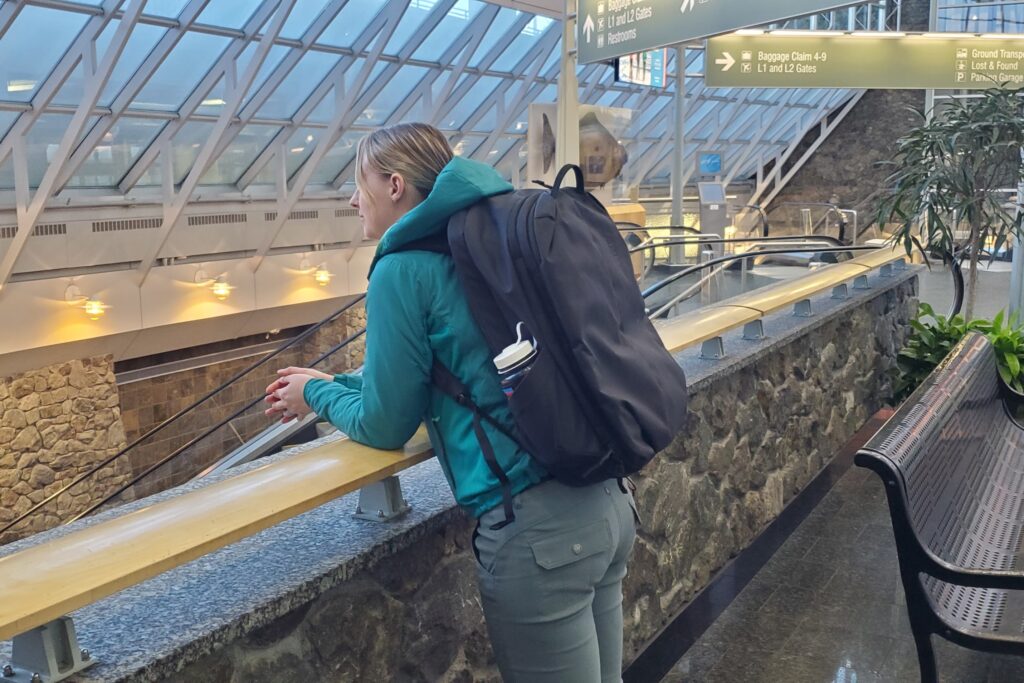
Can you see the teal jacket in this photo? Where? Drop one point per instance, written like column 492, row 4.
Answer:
column 416, row 311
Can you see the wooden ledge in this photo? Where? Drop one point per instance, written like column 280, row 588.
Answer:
column 707, row 323
column 52, row 579
column 713, row 321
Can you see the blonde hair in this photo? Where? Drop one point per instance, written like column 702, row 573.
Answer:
column 415, row 151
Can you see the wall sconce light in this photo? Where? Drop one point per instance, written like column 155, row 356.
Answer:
column 94, row 308
column 219, row 285
column 322, row 275
column 221, row 289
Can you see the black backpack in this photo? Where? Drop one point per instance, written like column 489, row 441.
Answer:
column 602, row 395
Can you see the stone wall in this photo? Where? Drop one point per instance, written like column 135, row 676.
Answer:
column 147, row 403
column 762, row 424
column 847, row 163
column 55, row 423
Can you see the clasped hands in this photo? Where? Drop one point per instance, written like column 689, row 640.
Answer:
column 285, row 394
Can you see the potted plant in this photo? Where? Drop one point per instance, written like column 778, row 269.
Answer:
column 945, row 173
column 930, row 342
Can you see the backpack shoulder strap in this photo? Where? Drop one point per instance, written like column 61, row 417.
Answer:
column 448, row 383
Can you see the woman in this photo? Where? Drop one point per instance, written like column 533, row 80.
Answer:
column 551, row 580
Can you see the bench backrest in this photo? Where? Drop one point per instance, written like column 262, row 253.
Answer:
column 953, row 457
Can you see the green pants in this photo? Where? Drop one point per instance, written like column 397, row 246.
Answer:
column 551, row 582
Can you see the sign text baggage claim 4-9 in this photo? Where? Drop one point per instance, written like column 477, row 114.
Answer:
column 767, row 60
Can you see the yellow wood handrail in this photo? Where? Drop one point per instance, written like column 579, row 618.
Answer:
column 52, row 579
column 684, row 331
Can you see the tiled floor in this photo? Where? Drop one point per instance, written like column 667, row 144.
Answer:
column 828, row 607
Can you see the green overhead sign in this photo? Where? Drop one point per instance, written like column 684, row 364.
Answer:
column 772, row 60
column 606, row 29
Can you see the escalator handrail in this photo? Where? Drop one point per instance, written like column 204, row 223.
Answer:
column 181, row 413
column 954, row 263
column 748, row 240
column 779, row 205
column 657, row 287
column 181, row 449
column 634, row 227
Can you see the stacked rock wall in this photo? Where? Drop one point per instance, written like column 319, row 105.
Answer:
column 55, row 423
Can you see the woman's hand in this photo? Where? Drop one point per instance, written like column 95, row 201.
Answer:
column 288, row 372
column 285, row 395
column 315, row 374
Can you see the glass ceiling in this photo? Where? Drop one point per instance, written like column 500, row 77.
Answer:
column 297, row 90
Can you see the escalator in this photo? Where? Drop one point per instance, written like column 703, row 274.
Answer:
column 210, row 435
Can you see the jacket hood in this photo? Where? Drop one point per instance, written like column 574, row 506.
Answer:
column 461, row 183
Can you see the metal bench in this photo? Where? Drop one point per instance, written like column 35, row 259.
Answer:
column 952, row 460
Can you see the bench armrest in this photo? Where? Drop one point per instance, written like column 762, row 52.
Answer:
column 1002, row 579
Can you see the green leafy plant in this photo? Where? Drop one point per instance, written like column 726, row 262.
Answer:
column 944, row 174
column 1008, row 340
column 930, row 342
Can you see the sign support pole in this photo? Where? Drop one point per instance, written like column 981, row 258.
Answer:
column 929, row 94
column 1017, row 269
column 567, row 141
column 677, row 254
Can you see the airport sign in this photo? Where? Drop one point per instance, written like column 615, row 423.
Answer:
column 606, row 29
column 750, row 59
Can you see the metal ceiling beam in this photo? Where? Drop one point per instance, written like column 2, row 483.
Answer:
column 290, row 60
column 466, row 44
column 495, row 98
column 235, row 96
column 448, row 102
column 61, row 72
column 300, row 118
column 523, row 110
column 131, row 89
column 343, row 115
column 538, row 55
column 95, row 76
column 195, row 99
column 9, row 11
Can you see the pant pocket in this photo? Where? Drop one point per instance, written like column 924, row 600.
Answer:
column 631, row 498
column 576, row 558
column 472, row 543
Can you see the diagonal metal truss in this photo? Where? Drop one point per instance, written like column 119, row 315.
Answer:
column 97, row 73
column 749, row 126
column 237, row 89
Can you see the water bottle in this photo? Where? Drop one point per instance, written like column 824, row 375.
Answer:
column 515, row 362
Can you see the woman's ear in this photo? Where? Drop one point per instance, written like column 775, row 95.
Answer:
column 396, row 187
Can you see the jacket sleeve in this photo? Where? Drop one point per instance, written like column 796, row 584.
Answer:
column 386, row 408
column 350, row 381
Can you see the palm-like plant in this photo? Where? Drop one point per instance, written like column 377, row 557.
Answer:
column 945, row 173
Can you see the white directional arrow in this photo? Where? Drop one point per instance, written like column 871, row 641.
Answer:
column 588, row 27
column 687, row 5
column 726, row 61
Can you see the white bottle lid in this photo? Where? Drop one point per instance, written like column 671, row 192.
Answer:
column 514, row 353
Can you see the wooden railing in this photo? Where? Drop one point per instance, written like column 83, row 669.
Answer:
column 44, row 582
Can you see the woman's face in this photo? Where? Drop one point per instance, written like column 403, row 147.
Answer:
column 381, row 200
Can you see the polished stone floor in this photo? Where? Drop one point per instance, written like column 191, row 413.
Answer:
column 828, row 607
